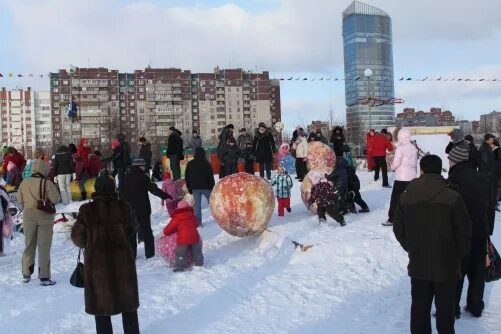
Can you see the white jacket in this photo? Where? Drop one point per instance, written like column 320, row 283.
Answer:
column 405, row 160
column 301, row 146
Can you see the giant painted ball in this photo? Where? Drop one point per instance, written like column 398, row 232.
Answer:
column 242, row 204
column 320, row 155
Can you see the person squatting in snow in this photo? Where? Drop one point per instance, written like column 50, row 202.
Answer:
column 282, row 184
column 185, row 223
column 327, row 199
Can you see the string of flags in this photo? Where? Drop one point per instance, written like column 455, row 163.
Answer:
column 11, row 75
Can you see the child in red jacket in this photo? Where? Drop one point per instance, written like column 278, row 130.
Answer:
column 185, row 224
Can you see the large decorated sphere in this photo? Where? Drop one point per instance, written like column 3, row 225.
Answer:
column 76, row 193
column 320, row 155
column 166, row 248
column 313, row 177
column 242, row 204
column 289, row 163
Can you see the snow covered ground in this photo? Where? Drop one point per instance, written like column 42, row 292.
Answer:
column 353, row 280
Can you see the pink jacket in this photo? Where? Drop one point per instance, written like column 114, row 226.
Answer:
column 405, row 160
column 283, row 151
column 169, row 186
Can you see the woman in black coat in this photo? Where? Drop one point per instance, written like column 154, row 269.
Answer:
column 338, row 140
column 264, row 147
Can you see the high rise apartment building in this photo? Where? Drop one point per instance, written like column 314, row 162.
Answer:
column 147, row 102
column 18, row 119
column 368, row 67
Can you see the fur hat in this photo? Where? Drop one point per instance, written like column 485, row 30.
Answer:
column 183, row 204
column 105, row 184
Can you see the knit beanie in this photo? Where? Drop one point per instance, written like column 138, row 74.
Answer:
column 459, row 153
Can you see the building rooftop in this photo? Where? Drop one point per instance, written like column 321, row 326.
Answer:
column 358, row 7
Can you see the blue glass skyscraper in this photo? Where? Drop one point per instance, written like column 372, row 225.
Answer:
column 367, row 40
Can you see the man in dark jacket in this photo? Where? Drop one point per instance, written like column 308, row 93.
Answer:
column 199, row 180
column 225, row 134
column 243, row 138
column 338, row 140
column 340, row 178
column 135, row 191
column 175, row 152
column 432, row 225
column 264, row 147
column 354, row 195
column 145, row 153
column 230, row 155
column 64, row 168
column 486, row 166
column 474, row 188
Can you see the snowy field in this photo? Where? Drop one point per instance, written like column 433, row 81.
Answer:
column 353, row 280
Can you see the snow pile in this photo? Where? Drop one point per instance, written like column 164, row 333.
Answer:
column 353, row 280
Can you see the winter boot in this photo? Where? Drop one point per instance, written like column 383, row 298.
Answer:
column 365, row 210
column 342, row 223
column 288, row 209
column 26, row 279
column 84, row 195
column 322, row 219
column 47, row 282
column 388, row 223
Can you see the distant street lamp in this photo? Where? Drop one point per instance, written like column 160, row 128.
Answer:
column 368, row 74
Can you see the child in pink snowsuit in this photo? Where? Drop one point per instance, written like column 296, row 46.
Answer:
column 170, row 187
column 283, row 151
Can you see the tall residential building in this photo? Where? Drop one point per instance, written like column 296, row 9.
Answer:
column 367, row 39
column 43, row 120
column 18, row 119
column 96, row 92
column 434, row 117
column 490, row 123
column 148, row 102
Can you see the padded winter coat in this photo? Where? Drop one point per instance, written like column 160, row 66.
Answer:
column 135, row 188
column 282, row 184
column 63, row 162
column 199, row 174
column 103, row 229
column 474, row 188
column 184, row 223
column 486, row 159
column 29, row 193
column 17, row 159
column 405, row 160
column 301, row 147
column 338, row 140
column 264, row 146
column 340, row 176
column 84, row 151
column 94, row 166
column 145, row 153
column 175, row 145
column 432, row 224
column 378, row 145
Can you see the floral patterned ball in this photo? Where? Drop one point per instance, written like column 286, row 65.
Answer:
column 242, row 204
column 320, row 155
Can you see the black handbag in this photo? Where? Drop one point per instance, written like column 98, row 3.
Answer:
column 44, row 204
column 77, row 278
column 493, row 264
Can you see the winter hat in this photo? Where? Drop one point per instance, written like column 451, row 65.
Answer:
column 166, row 176
column 183, row 204
column 115, row 143
column 262, row 125
column 230, row 126
column 459, row 153
column 105, row 184
column 243, row 130
column 488, row 136
column 384, row 131
column 456, row 135
column 469, row 138
column 139, row 162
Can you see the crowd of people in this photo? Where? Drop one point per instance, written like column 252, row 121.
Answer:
column 444, row 224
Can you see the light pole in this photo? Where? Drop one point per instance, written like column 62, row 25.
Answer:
column 368, row 74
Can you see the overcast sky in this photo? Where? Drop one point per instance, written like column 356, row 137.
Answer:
column 447, row 38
